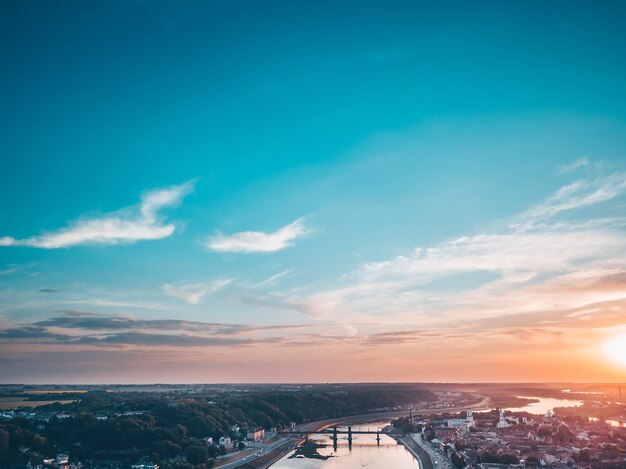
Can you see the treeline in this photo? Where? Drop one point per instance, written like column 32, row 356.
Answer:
column 171, row 426
column 406, row 425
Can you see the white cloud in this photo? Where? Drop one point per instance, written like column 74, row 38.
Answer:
column 579, row 163
column 124, row 226
column 193, row 292
column 578, row 194
column 258, row 241
column 273, row 279
column 516, row 268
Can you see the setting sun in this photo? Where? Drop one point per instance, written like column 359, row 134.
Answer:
column 616, row 349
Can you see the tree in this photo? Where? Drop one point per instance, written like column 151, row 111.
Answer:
column 197, row 455
column 457, row 460
column 4, row 440
column 584, row 455
column 508, row 459
column 222, row 451
column 241, row 445
column 213, row 451
column 166, row 448
column 544, row 431
column 532, row 460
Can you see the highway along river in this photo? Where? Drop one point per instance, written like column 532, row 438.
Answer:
column 364, row 452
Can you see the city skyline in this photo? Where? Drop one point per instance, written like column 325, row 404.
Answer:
column 230, row 192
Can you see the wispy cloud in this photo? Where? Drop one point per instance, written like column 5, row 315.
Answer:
column 128, row 225
column 259, row 241
column 273, row 279
column 578, row 194
column 14, row 268
column 535, row 263
column 193, row 292
column 86, row 329
column 10, row 269
column 579, row 163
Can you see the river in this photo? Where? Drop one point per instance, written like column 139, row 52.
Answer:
column 364, row 453
column 544, row 405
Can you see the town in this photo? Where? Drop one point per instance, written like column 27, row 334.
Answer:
column 250, row 426
column 500, row 439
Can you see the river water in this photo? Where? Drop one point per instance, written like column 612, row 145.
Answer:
column 544, row 405
column 364, row 453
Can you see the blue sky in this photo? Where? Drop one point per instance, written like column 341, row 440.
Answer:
column 338, row 177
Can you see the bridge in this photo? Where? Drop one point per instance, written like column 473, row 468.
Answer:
column 335, row 432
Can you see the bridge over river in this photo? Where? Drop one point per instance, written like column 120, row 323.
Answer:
column 335, row 432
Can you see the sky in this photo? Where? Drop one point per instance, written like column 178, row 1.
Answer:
column 240, row 191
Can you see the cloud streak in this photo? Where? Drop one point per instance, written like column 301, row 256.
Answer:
column 259, row 241
column 194, row 292
column 579, row 163
column 128, row 225
column 81, row 329
column 535, row 263
column 576, row 195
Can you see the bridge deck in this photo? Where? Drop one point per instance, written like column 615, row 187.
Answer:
column 339, row 432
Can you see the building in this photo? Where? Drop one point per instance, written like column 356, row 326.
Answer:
column 462, row 424
column 255, row 435
column 502, row 423
column 224, row 441
column 446, row 433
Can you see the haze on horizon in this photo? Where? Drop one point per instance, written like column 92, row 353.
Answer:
column 289, row 192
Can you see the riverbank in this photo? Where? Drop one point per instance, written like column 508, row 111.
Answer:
column 416, row 450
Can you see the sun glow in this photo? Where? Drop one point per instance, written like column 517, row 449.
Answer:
column 616, row 349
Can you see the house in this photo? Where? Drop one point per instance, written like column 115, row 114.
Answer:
column 256, row 435
column 224, row 441
column 446, row 433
